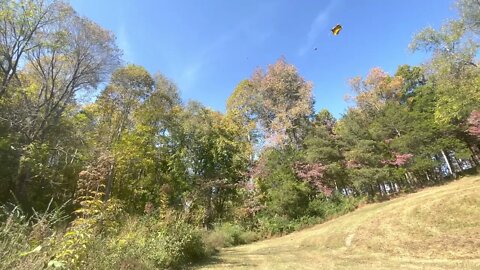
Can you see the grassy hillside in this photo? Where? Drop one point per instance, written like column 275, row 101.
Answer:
column 437, row 228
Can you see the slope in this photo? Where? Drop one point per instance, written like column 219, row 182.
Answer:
column 437, row 228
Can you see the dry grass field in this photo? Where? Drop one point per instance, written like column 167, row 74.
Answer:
column 436, row 228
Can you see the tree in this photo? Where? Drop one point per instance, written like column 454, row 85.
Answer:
column 216, row 156
column 74, row 55
column 243, row 106
column 470, row 13
column 474, row 123
column 282, row 192
column 129, row 88
column 287, row 102
column 453, row 70
column 279, row 100
column 21, row 30
column 377, row 89
column 322, row 154
column 147, row 168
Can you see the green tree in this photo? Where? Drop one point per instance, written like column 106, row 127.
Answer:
column 321, row 146
column 70, row 55
column 21, row 28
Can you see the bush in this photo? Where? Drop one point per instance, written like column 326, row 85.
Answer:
column 248, row 237
column 327, row 208
column 227, row 235
column 180, row 243
column 136, row 243
column 275, row 225
column 14, row 230
column 318, row 210
column 214, row 241
column 28, row 242
column 147, row 243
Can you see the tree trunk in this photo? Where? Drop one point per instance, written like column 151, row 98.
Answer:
column 109, row 186
column 21, row 186
column 449, row 166
column 413, row 177
column 428, row 177
column 457, row 164
column 392, row 187
column 336, row 186
column 407, row 176
column 372, row 191
column 380, row 188
column 387, row 192
column 475, row 157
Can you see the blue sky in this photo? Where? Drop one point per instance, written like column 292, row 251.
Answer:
column 207, row 47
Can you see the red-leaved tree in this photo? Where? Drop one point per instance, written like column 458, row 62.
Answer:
column 399, row 159
column 313, row 174
column 474, row 124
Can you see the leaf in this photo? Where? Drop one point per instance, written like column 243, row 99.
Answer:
column 56, row 264
column 35, row 250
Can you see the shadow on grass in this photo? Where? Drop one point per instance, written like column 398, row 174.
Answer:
column 215, row 260
column 421, row 186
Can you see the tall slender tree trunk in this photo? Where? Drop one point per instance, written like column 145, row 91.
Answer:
column 457, row 164
column 109, row 186
column 407, row 176
column 21, row 186
column 392, row 187
column 372, row 191
column 449, row 166
column 413, row 178
column 387, row 192
column 428, row 177
column 380, row 188
column 475, row 157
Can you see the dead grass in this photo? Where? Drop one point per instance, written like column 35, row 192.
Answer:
column 437, row 228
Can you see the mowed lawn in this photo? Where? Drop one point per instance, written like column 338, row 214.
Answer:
column 437, row 228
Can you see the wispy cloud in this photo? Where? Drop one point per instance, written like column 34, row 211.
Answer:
column 192, row 71
column 318, row 25
column 245, row 31
column 197, row 65
column 125, row 45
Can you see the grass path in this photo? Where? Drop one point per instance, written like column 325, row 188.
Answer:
column 437, row 228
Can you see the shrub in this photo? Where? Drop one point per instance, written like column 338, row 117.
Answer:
column 147, row 243
column 214, row 241
column 318, row 210
column 14, row 230
column 248, row 237
column 274, row 225
column 227, row 235
column 180, row 243
column 27, row 242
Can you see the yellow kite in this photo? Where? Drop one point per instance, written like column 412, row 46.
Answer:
column 336, row 30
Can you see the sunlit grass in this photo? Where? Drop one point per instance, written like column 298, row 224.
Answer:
column 437, row 228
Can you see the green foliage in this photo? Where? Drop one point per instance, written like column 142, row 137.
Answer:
column 275, row 225
column 283, row 193
column 28, row 242
column 227, row 235
column 318, row 210
column 13, row 235
column 147, row 243
column 95, row 217
column 181, row 242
